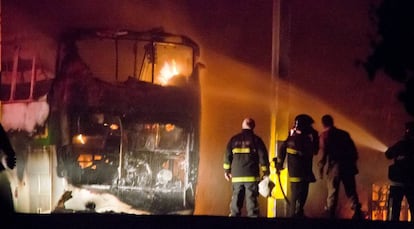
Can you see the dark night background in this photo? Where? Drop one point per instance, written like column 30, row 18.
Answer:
column 321, row 45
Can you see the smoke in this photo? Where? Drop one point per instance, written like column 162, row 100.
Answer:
column 231, row 89
column 241, row 90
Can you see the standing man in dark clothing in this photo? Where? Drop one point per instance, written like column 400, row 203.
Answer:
column 245, row 152
column 6, row 198
column 300, row 147
column 340, row 155
column 401, row 173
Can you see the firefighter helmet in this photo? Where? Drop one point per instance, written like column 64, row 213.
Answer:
column 303, row 121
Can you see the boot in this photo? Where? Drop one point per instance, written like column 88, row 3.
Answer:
column 358, row 214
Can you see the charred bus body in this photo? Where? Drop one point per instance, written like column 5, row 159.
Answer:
column 125, row 111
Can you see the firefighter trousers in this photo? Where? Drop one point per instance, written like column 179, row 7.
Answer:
column 248, row 191
column 298, row 195
column 397, row 193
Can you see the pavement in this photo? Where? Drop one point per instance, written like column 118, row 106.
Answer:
column 118, row 221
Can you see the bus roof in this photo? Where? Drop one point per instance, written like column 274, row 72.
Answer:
column 153, row 35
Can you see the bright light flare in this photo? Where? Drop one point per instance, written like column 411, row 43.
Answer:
column 112, row 126
column 169, row 127
column 79, row 139
column 85, row 160
column 168, row 71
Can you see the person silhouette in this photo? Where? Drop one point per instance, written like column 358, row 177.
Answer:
column 245, row 159
column 401, row 173
column 6, row 198
column 340, row 156
column 298, row 149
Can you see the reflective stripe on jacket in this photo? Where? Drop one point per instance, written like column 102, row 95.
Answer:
column 299, row 149
column 246, row 156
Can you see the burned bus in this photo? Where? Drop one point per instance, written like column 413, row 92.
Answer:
column 125, row 116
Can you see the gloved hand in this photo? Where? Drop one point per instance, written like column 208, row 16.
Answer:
column 266, row 173
column 279, row 167
column 11, row 161
column 278, row 164
column 274, row 160
column 227, row 176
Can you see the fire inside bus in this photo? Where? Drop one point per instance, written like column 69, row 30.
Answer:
column 125, row 113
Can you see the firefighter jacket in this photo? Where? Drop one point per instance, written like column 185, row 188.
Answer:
column 299, row 149
column 338, row 150
column 245, row 153
column 402, row 170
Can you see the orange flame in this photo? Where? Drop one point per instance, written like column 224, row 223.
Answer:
column 168, row 71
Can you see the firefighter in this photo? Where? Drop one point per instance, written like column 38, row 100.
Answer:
column 401, row 173
column 6, row 198
column 245, row 159
column 340, row 155
column 299, row 148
